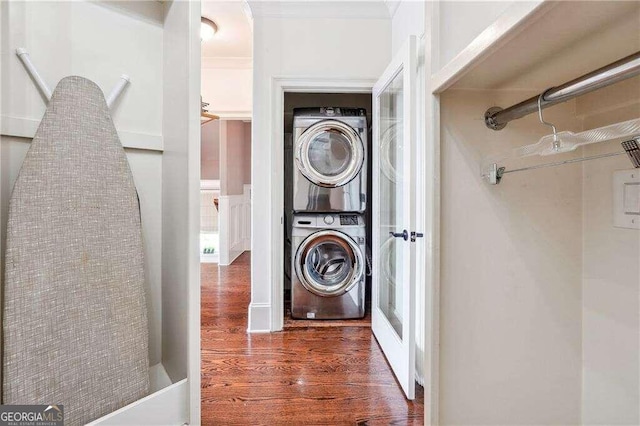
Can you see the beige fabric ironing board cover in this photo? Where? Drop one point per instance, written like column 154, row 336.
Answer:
column 75, row 321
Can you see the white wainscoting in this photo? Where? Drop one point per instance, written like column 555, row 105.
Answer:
column 246, row 217
column 235, row 225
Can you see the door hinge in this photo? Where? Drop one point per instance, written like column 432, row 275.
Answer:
column 415, row 235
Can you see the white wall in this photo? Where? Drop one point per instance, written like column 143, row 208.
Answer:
column 235, row 152
column 511, row 273
column 303, row 47
column 210, row 150
column 611, row 273
column 246, row 143
column 462, row 21
column 99, row 41
column 539, row 293
column 227, row 86
column 408, row 19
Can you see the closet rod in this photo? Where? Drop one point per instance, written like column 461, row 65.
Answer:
column 561, row 163
column 496, row 174
column 497, row 118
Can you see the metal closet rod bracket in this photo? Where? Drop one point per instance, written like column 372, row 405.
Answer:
column 24, row 57
column 497, row 118
column 495, row 174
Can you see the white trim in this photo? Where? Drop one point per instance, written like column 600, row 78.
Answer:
column 168, row 406
column 238, row 62
column 209, row 258
column 259, row 315
column 27, row 127
column 193, row 87
column 210, row 184
column 246, row 9
column 420, row 164
column 279, row 86
column 233, row 115
column 432, row 227
column 515, row 19
column 245, row 231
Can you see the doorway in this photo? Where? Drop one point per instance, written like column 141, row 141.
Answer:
column 308, row 100
column 400, row 350
column 226, row 77
column 225, row 190
column 253, row 377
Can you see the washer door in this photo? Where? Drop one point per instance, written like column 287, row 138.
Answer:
column 330, row 153
column 329, row 263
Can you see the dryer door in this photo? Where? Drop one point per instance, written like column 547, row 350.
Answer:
column 329, row 263
column 330, row 153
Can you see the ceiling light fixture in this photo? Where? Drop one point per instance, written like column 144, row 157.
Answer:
column 208, row 29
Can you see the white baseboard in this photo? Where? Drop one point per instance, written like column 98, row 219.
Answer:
column 209, row 258
column 259, row 318
column 231, row 256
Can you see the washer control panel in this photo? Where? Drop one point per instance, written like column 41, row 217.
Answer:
column 349, row 219
column 327, row 220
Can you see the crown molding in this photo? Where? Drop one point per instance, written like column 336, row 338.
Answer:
column 319, row 9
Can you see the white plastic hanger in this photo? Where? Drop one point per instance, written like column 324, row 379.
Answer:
column 566, row 141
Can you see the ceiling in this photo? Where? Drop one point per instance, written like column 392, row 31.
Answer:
column 234, row 36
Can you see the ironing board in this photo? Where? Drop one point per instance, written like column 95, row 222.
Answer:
column 75, row 321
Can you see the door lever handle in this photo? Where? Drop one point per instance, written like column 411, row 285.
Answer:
column 404, row 234
column 415, row 235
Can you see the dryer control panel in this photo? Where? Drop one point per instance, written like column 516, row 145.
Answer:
column 330, row 112
column 349, row 219
column 327, row 220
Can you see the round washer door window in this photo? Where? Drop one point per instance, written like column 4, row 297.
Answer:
column 330, row 153
column 329, row 263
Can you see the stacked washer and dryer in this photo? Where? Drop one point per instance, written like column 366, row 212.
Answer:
column 328, row 238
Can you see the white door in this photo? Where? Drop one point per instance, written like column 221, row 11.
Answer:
column 394, row 277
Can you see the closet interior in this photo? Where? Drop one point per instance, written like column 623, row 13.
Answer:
column 294, row 100
column 548, row 289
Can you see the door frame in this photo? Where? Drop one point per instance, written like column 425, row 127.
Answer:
column 430, row 183
column 226, row 256
column 279, row 86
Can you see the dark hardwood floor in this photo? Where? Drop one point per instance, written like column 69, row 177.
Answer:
column 301, row 376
